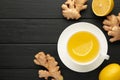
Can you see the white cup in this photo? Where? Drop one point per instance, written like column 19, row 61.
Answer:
column 78, row 66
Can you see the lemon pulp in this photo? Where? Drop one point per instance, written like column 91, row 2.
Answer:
column 102, row 7
column 83, row 46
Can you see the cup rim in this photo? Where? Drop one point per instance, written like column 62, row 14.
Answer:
column 86, row 63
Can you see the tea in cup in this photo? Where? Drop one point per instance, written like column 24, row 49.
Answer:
column 83, row 47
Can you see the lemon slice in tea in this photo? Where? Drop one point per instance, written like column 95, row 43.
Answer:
column 82, row 50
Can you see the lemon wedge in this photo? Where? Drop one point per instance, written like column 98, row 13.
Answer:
column 102, row 7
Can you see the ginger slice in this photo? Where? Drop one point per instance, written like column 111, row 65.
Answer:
column 112, row 26
column 72, row 8
column 49, row 62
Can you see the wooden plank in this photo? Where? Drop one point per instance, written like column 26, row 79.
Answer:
column 37, row 30
column 41, row 9
column 22, row 55
column 19, row 74
column 32, row 74
column 30, row 30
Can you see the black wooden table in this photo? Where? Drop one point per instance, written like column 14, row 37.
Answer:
column 30, row 26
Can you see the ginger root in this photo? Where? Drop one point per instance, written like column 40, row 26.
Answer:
column 50, row 64
column 72, row 8
column 112, row 26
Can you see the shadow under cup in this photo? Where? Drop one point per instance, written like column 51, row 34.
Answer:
column 83, row 48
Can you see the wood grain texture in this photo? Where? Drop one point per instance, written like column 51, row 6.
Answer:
column 32, row 74
column 19, row 74
column 41, row 9
column 30, row 26
column 37, row 30
column 22, row 55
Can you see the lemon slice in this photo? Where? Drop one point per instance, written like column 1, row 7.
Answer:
column 102, row 7
column 83, row 49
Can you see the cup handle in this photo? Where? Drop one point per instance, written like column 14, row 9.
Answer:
column 107, row 57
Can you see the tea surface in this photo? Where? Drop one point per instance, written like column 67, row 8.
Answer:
column 83, row 46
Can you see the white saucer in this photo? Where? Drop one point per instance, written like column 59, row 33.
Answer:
column 69, row 31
